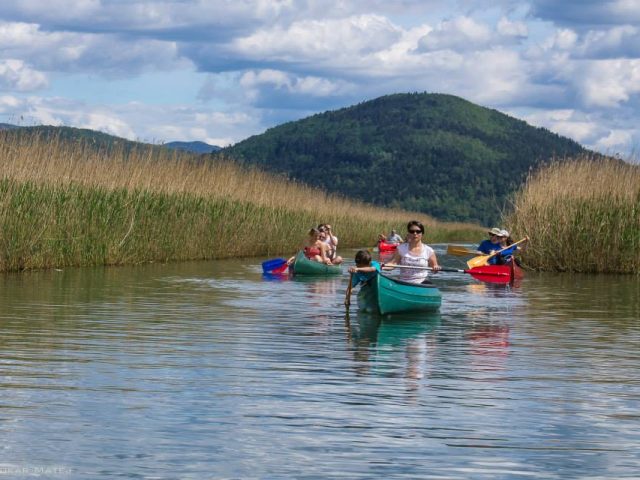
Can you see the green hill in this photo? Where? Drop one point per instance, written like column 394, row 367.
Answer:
column 434, row 153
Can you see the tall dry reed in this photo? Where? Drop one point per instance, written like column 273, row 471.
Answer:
column 582, row 216
column 72, row 203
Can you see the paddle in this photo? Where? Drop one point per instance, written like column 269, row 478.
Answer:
column 460, row 251
column 484, row 259
column 347, row 297
column 276, row 265
column 488, row 273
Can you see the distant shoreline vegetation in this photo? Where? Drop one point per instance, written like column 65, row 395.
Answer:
column 582, row 216
column 71, row 203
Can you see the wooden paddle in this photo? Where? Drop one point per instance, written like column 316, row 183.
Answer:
column 482, row 260
column 488, row 273
column 460, row 251
column 347, row 297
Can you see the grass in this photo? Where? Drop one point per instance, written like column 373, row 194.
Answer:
column 582, row 216
column 66, row 203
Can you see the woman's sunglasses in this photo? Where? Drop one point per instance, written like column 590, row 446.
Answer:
column 415, row 232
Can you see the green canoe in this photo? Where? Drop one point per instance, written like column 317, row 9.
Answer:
column 388, row 295
column 303, row 266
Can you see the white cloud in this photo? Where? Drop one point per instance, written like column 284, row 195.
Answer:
column 16, row 76
column 275, row 60
column 105, row 54
column 459, row 34
column 465, row 34
column 616, row 140
column 510, row 28
column 618, row 41
column 307, row 85
column 607, row 83
column 309, row 41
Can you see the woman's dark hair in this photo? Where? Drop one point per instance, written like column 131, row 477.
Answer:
column 363, row 257
column 415, row 223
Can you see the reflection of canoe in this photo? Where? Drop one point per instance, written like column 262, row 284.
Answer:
column 397, row 331
column 303, row 266
column 388, row 295
column 387, row 247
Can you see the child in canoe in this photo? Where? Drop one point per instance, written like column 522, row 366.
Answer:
column 365, row 268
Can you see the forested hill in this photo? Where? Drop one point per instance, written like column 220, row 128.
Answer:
column 434, row 153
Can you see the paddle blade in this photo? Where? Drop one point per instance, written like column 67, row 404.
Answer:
column 459, row 251
column 276, row 265
column 491, row 273
column 478, row 261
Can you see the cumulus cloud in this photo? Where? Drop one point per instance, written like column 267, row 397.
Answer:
column 607, row 83
column 589, row 128
column 134, row 120
column 466, row 34
column 276, row 60
column 17, row 76
column 618, row 41
column 76, row 52
column 324, row 41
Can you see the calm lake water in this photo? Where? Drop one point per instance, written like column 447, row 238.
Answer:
column 209, row 370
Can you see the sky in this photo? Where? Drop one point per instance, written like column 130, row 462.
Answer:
column 220, row 71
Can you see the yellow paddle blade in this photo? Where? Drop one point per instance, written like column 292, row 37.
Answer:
column 459, row 251
column 479, row 261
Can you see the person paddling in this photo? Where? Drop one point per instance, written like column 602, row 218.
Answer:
column 314, row 248
column 416, row 254
column 492, row 244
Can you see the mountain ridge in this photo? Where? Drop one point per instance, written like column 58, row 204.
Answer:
column 434, row 153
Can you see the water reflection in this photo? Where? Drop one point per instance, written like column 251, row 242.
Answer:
column 212, row 370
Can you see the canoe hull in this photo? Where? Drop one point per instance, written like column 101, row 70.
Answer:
column 387, row 247
column 303, row 266
column 388, row 295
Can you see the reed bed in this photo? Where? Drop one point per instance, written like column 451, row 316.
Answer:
column 582, row 215
column 74, row 203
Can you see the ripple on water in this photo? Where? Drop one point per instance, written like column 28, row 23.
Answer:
column 213, row 370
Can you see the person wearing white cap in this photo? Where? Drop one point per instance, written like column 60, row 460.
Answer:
column 492, row 244
column 507, row 255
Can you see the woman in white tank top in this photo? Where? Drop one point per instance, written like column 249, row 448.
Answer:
column 416, row 254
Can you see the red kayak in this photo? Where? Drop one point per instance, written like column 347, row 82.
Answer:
column 387, row 247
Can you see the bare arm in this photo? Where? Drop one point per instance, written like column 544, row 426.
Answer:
column 362, row 269
column 323, row 252
column 433, row 262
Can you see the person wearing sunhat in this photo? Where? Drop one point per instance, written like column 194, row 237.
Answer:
column 492, row 244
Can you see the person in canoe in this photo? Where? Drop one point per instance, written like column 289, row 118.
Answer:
column 314, row 248
column 493, row 243
column 365, row 268
column 394, row 237
column 331, row 240
column 507, row 256
column 414, row 253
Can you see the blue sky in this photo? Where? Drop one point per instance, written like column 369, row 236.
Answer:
column 221, row 70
